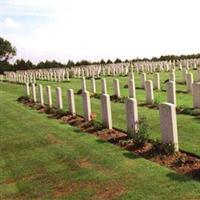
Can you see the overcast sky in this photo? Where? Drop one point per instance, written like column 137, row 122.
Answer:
column 95, row 29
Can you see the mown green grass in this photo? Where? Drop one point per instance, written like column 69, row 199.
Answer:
column 40, row 158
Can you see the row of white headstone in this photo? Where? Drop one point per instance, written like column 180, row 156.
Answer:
column 168, row 121
column 148, row 85
column 114, row 69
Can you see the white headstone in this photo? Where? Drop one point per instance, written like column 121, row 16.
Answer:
column 49, row 97
column 27, row 89
column 171, row 92
column 149, row 92
column 86, row 106
column 41, row 97
column 103, row 86
column 71, row 102
column 172, row 76
column 84, row 88
column 168, row 123
column 116, row 88
column 33, row 92
column 189, row 82
column 131, row 116
column 143, row 79
column 106, row 111
column 59, row 103
column 196, row 95
column 93, row 85
column 198, row 75
column 157, row 81
column 131, row 88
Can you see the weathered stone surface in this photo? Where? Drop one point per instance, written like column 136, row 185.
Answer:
column 172, row 76
column 131, row 116
column 86, row 106
column 171, row 92
column 59, row 102
column 131, row 88
column 27, row 90
column 116, row 88
column 157, row 81
column 103, row 86
column 189, row 82
column 106, row 111
column 84, row 87
column 33, row 92
column 184, row 73
column 49, row 96
column 168, row 123
column 149, row 92
column 41, row 96
column 71, row 102
column 196, row 95
column 143, row 80
column 93, row 86
column 131, row 74
column 198, row 75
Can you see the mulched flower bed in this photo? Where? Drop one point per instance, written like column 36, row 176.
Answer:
column 182, row 162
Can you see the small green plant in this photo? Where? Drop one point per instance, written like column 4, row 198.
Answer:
column 49, row 110
column 142, row 136
column 22, row 98
column 180, row 161
column 60, row 113
column 196, row 112
column 79, row 91
column 191, row 111
column 97, row 96
column 126, row 86
column 97, row 126
column 156, row 101
column 162, row 148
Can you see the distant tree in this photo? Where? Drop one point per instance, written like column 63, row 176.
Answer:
column 40, row 65
column 21, row 64
column 126, row 61
column 102, row 61
column 5, row 66
column 6, row 50
column 117, row 60
column 70, row 63
column 83, row 62
column 109, row 61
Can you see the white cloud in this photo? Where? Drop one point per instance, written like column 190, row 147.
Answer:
column 95, row 29
column 11, row 24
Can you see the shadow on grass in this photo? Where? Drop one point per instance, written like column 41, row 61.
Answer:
column 196, row 118
column 131, row 155
column 178, row 177
column 79, row 131
column 102, row 141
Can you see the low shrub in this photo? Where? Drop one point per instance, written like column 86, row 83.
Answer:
column 79, row 91
column 162, row 148
column 142, row 136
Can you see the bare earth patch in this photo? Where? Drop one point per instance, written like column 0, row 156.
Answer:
column 102, row 191
column 84, row 163
column 53, row 139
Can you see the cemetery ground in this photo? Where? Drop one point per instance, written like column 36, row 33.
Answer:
column 42, row 158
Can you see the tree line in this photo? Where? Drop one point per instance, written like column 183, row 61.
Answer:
column 7, row 52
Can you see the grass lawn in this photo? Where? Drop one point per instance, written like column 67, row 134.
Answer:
column 188, row 126
column 41, row 158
